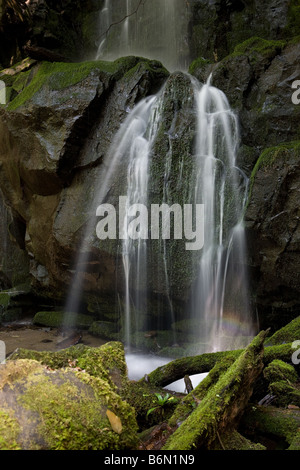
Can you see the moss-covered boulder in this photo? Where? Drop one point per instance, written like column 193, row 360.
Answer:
column 64, row 409
column 62, row 319
column 106, row 362
column 283, row 383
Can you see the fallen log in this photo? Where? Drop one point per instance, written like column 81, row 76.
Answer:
column 222, row 407
column 275, row 423
column 190, row 401
column 177, row 369
column 41, row 53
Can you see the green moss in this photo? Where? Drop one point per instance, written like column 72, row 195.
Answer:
column 285, row 394
column 270, row 156
column 282, row 379
column 190, row 402
column 60, row 75
column 202, row 424
column 105, row 362
column 288, row 333
column 259, row 46
column 279, row 370
column 9, row 431
column 197, row 64
column 57, row 319
column 282, row 351
column 73, row 419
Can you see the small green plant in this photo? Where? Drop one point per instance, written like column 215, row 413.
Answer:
column 162, row 402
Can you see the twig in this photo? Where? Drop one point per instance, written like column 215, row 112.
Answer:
column 141, row 2
column 222, row 445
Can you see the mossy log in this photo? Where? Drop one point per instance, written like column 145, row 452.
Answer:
column 277, row 423
column 177, row 369
column 190, row 401
column 223, row 405
column 41, row 53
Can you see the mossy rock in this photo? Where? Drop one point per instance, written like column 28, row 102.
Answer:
column 279, row 370
column 282, row 379
column 56, row 76
column 285, row 394
column 104, row 329
column 106, row 362
column 256, row 46
column 58, row 319
column 66, row 409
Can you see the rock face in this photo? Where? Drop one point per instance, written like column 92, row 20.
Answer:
column 272, row 220
column 49, row 171
column 217, row 27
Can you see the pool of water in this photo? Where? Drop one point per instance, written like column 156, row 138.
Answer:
column 140, row 364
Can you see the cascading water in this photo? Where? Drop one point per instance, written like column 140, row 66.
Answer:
column 134, row 249
column 220, row 295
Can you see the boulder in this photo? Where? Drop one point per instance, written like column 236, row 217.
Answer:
column 51, row 169
column 71, row 407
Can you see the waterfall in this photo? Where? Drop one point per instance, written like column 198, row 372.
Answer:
column 133, row 27
column 134, row 251
column 220, row 297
